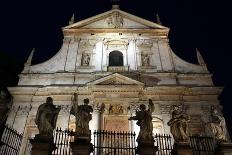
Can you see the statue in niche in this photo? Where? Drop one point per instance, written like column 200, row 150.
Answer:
column 46, row 117
column 217, row 125
column 145, row 60
column 85, row 59
column 83, row 116
column 5, row 104
column 144, row 121
column 179, row 124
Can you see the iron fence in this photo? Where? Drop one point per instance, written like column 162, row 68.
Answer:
column 10, row 141
column 114, row 143
column 62, row 141
column 203, row 145
column 164, row 143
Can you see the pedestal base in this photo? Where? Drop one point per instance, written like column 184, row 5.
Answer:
column 182, row 149
column 42, row 145
column 81, row 146
column 224, row 149
column 146, row 149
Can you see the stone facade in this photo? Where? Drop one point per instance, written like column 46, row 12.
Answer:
column 150, row 70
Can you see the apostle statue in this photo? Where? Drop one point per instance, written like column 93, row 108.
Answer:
column 145, row 60
column 179, row 124
column 46, row 117
column 85, row 59
column 144, row 121
column 83, row 116
column 5, row 104
column 217, row 126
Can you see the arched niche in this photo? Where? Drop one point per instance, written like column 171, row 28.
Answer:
column 115, row 58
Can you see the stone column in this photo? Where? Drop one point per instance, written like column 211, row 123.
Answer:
column 181, row 148
column 224, row 149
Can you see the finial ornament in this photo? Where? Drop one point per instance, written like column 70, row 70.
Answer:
column 72, row 20
column 28, row 62
column 200, row 58
column 158, row 19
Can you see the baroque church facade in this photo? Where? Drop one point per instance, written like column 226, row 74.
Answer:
column 118, row 61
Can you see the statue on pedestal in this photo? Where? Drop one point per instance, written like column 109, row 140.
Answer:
column 178, row 124
column 144, row 120
column 83, row 116
column 217, row 126
column 5, row 104
column 46, row 118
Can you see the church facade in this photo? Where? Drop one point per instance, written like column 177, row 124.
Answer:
column 118, row 61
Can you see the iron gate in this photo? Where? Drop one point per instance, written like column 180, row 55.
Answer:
column 114, row 143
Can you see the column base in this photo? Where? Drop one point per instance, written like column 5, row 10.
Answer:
column 42, row 145
column 182, row 149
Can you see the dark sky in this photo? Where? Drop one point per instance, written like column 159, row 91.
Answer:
column 202, row 24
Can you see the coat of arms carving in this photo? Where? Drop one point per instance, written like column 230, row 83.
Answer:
column 115, row 20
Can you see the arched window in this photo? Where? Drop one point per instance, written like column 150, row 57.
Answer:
column 115, row 58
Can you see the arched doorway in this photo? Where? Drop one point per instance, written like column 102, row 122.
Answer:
column 115, row 58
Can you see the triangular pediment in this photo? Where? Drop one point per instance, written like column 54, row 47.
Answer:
column 115, row 18
column 115, row 79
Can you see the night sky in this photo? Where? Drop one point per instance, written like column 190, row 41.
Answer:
column 202, row 24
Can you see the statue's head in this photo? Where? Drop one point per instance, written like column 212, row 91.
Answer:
column 142, row 107
column 86, row 101
column 49, row 100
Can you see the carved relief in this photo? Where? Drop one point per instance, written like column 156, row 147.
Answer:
column 116, row 109
column 86, row 45
column 115, row 20
column 120, row 45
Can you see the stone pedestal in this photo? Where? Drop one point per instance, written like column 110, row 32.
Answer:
column 182, row 149
column 224, row 149
column 42, row 145
column 146, row 148
column 81, row 146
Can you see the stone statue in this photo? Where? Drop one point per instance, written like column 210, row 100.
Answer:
column 83, row 116
column 46, row 117
column 217, row 126
column 85, row 59
column 5, row 104
column 145, row 60
column 179, row 124
column 144, row 120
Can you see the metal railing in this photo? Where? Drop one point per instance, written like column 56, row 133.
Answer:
column 62, row 141
column 164, row 143
column 10, row 141
column 203, row 145
column 114, row 143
